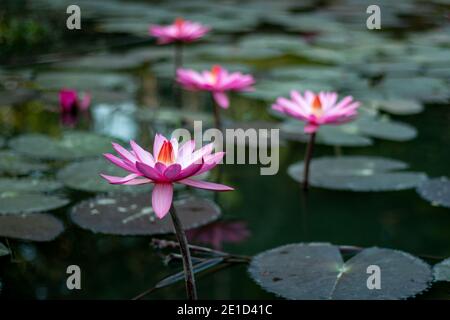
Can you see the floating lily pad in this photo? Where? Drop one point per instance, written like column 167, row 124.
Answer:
column 398, row 106
column 72, row 145
column 383, row 128
column 16, row 164
column 86, row 81
column 358, row 173
column 172, row 116
column 31, row 227
column 85, row 176
column 317, row 271
column 28, row 185
column 132, row 214
column 436, row 191
column 441, row 270
column 327, row 135
column 4, row 251
column 17, row 96
column 25, row 202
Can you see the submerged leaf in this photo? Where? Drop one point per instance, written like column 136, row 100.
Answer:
column 32, row 227
column 132, row 214
column 436, row 191
column 357, row 173
column 318, row 271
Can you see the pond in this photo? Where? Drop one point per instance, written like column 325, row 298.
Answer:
column 378, row 181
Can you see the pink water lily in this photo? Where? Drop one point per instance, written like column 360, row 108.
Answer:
column 218, row 81
column 179, row 31
column 71, row 105
column 169, row 164
column 317, row 109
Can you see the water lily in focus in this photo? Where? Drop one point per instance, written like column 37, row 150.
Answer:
column 316, row 110
column 218, row 81
column 71, row 105
column 169, row 164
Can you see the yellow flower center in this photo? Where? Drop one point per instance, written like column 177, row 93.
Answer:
column 317, row 106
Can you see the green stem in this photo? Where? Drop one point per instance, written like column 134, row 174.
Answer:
column 191, row 290
column 308, row 156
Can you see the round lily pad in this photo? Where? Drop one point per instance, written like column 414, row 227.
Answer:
column 398, row 106
column 16, row 164
column 25, row 202
column 355, row 173
column 386, row 129
column 132, row 214
column 28, row 185
column 441, row 270
column 436, row 191
column 31, row 227
column 72, row 145
column 317, row 271
column 172, row 116
column 85, row 176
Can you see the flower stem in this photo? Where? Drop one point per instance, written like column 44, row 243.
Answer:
column 191, row 290
column 308, row 156
column 217, row 119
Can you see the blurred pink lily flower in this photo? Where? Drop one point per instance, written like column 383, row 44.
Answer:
column 219, row 232
column 71, row 105
column 218, row 81
column 169, row 164
column 179, row 31
column 317, row 109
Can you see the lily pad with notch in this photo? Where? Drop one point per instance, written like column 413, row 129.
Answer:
column 30, row 227
column 358, row 173
column 132, row 214
column 436, row 191
column 72, row 145
column 317, row 271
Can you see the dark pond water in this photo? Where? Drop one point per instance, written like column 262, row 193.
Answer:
column 400, row 73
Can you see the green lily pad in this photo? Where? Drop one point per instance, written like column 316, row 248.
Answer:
column 172, row 116
column 85, row 176
column 86, row 81
column 132, row 214
column 398, row 106
column 165, row 69
column 26, row 202
column 441, row 270
column 30, row 227
column 358, row 173
column 327, row 135
column 4, row 251
column 436, row 191
column 383, row 128
column 16, row 164
column 420, row 88
column 72, row 145
column 28, row 185
column 317, row 271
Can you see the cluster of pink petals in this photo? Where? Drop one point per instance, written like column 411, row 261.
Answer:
column 180, row 31
column 218, row 81
column 170, row 163
column 69, row 100
column 317, row 109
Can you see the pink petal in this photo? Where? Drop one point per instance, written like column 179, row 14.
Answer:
column 172, row 171
column 119, row 180
column 205, row 185
column 311, row 128
column 124, row 153
column 157, row 144
column 119, row 162
column 189, row 171
column 141, row 154
column 221, row 99
column 149, row 172
column 162, row 198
